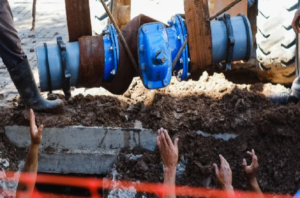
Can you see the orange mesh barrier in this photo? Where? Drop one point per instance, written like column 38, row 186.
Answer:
column 93, row 185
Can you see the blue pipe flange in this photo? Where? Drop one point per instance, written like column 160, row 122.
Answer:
column 155, row 60
column 65, row 69
column 48, row 73
column 111, row 53
column 177, row 34
column 231, row 39
column 249, row 37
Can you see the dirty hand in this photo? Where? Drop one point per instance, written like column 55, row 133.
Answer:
column 35, row 133
column 224, row 175
column 296, row 21
column 168, row 150
column 250, row 171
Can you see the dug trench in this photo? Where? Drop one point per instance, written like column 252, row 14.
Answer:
column 213, row 105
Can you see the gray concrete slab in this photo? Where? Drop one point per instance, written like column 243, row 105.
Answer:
column 82, row 163
column 78, row 137
column 82, row 150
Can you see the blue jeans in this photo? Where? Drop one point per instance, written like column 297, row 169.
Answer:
column 10, row 43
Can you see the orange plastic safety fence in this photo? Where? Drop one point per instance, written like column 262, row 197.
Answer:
column 159, row 189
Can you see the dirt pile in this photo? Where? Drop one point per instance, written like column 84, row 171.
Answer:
column 278, row 155
column 215, row 105
column 87, row 111
column 212, row 104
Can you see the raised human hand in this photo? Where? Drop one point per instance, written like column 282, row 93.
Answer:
column 35, row 132
column 251, row 170
column 224, row 174
column 168, row 149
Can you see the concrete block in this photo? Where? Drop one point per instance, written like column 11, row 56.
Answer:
column 84, row 150
column 83, row 163
column 78, row 137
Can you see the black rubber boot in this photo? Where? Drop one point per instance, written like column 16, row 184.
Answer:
column 24, row 81
column 283, row 98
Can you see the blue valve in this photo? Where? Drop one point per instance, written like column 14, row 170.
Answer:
column 158, row 47
column 155, row 60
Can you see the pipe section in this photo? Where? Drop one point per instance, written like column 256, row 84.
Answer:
column 158, row 47
column 220, row 39
column 55, row 65
column 102, row 60
column 97, row 62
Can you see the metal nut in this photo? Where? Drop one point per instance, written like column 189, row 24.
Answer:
column 113, row 72
column 141, row 48
column 143, row 66
column 161, row 57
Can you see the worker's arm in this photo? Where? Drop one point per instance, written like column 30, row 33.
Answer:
column 31, row 163
column 224, row 176
column 250, row 173
column 295, row 24
column 169, row 155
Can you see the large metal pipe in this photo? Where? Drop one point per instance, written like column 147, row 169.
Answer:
column 108, row 46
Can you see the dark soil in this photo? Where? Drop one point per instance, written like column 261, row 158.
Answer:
column 278, row 155
column 217, row 106
column 212, row 104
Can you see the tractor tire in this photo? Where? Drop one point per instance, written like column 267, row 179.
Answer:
column 276, row 40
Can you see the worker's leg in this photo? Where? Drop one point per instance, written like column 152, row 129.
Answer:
column 10, row 44
column 296, row 87
column 18, row 65
column 288, row 96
